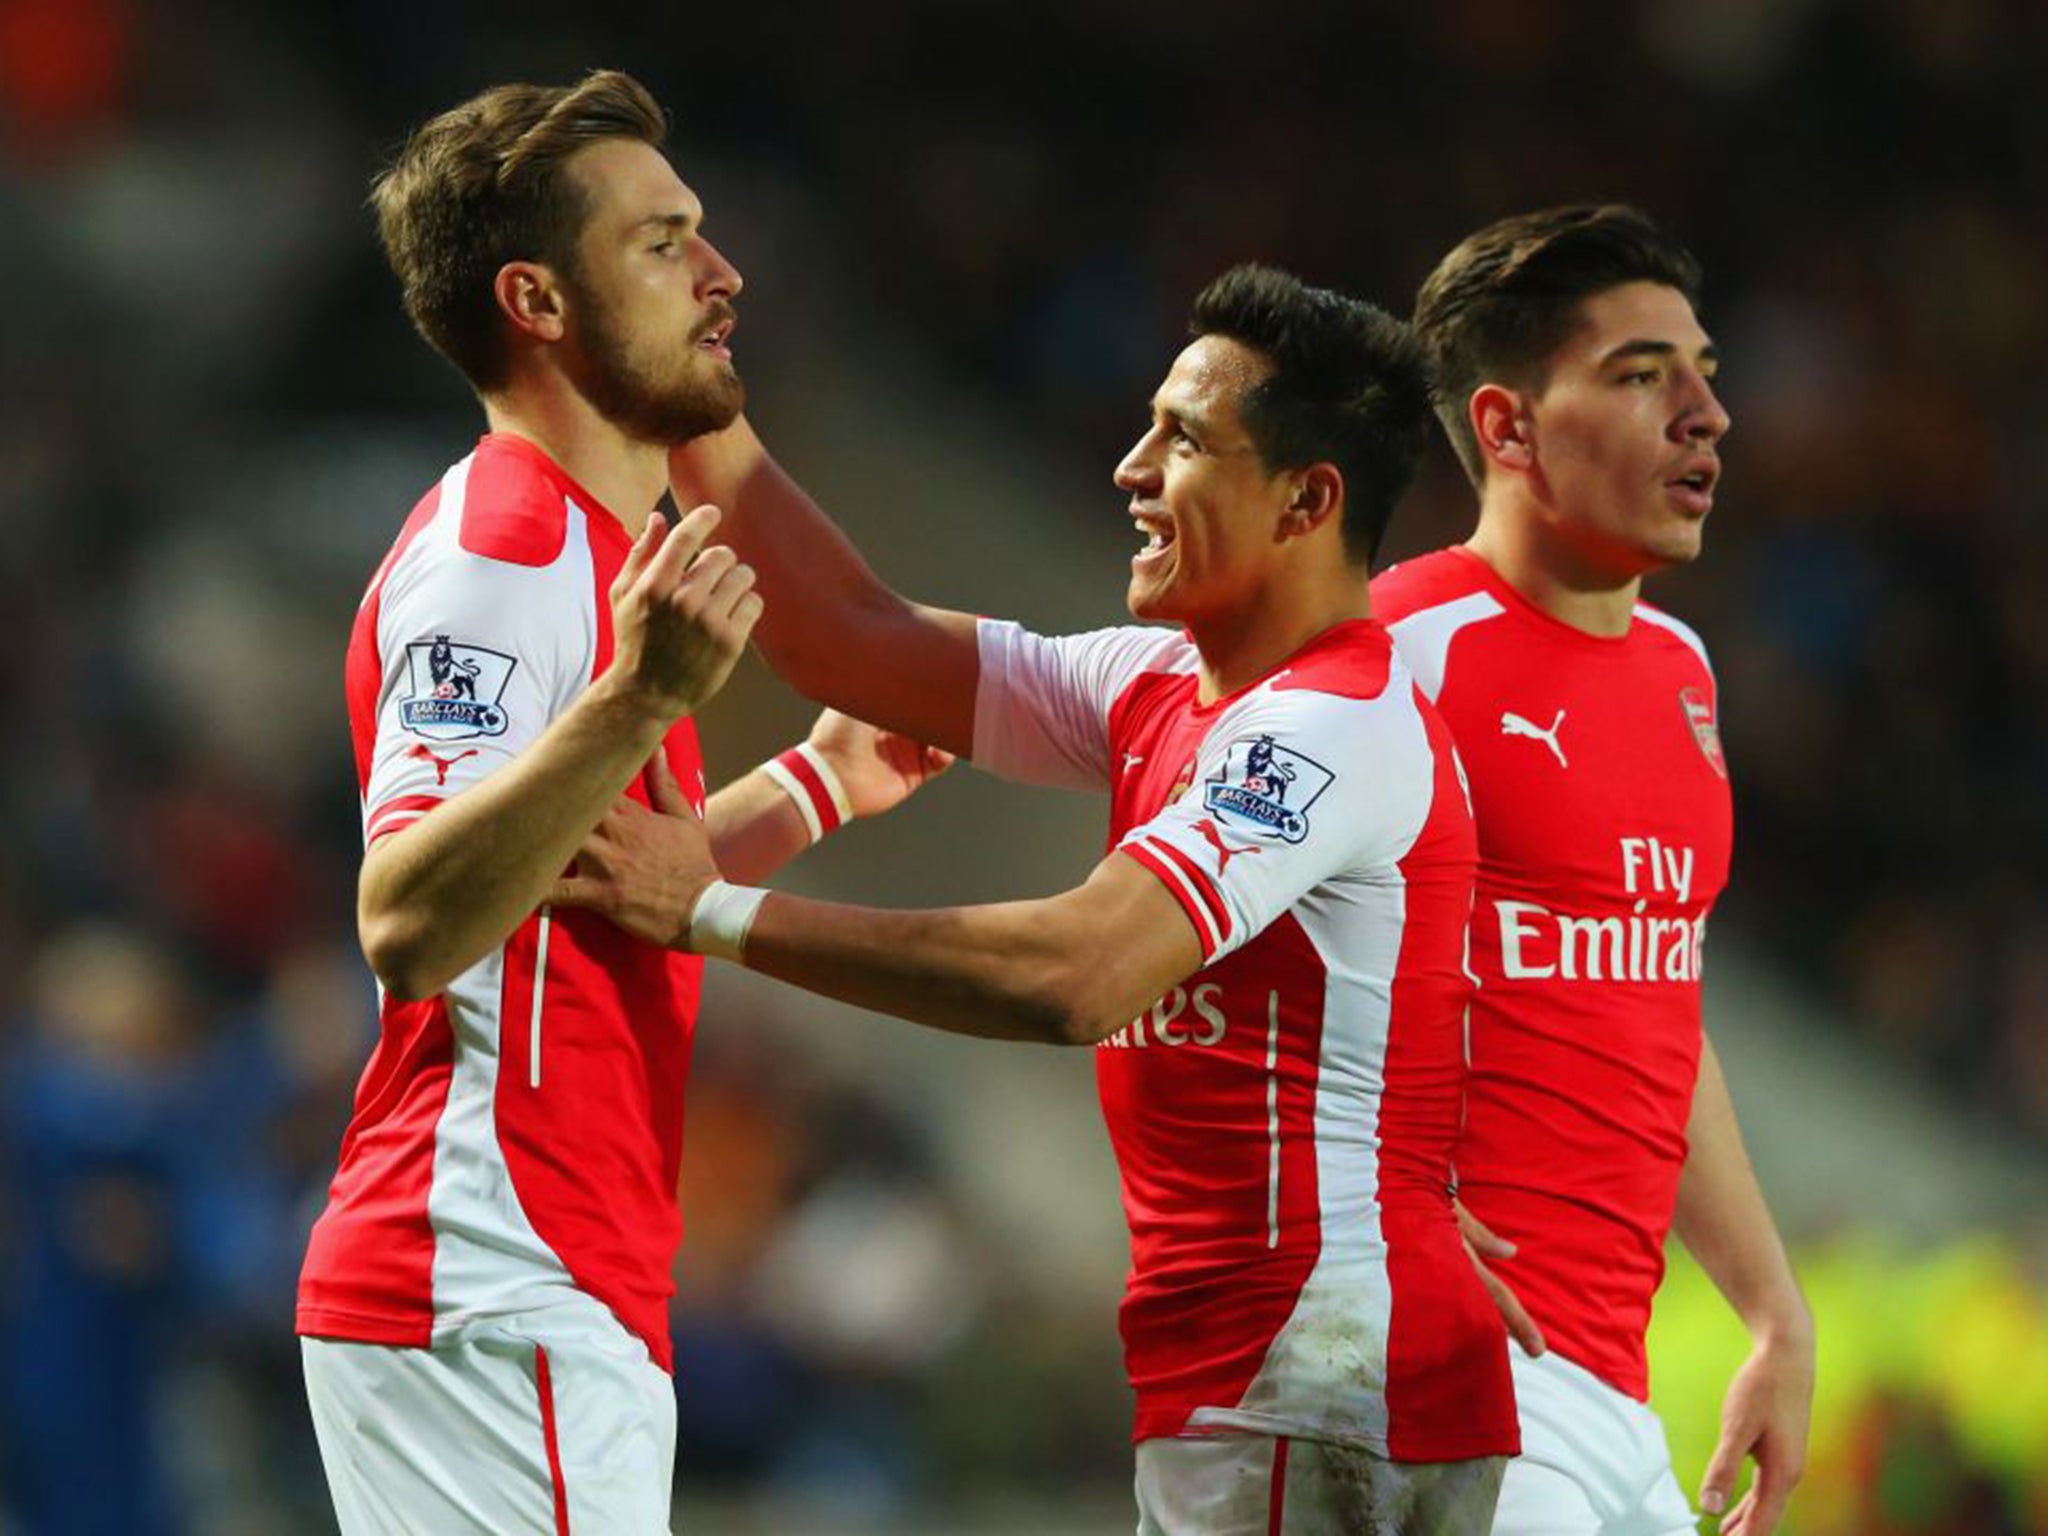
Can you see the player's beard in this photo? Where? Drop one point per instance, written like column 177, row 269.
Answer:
column 689, row 402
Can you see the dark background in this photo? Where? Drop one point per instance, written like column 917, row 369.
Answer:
column 970, row 232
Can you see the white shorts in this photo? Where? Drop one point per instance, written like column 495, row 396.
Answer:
column 541, row 1423
column 1257, row 1485
column 1594, row 1461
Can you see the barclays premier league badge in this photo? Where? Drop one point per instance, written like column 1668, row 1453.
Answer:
column 455, row 690
column 1266, row 788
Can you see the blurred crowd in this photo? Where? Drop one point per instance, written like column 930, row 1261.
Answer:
column 212, row 418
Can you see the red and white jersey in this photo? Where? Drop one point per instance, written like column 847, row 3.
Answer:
column 1283, row 1119
column 517, row 1137
column 1604, row 828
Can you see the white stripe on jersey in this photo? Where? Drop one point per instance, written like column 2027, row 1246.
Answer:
column 540, row 987
column 1272, row 1119
column 1333, row 1348
column 487, row 1256
column 1424, row 637
column 1679, row 628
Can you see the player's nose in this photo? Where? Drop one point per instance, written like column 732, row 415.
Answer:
column 1705, row 419
column 1138, row 470
column 720, row 279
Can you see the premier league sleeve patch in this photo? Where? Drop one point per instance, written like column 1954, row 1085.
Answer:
column 1266, row 788
column 454, row 690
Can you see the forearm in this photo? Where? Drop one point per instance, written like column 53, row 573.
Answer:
column 1067, row 969
column 441, row 894
column 1725, row 1223
column 983, row 971
column 755, row 828
column 832, row 629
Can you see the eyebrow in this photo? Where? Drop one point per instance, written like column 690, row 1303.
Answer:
column 1194, row 421
column 674, row 223
column 1643, row 346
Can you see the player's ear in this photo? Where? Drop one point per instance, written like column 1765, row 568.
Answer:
column 1502, row 428
column 531, row 298
column 1318, row 496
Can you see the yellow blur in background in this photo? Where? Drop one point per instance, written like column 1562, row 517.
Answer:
column 1931, row 1408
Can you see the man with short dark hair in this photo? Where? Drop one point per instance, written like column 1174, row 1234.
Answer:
column 1576, row 384
column 484, row 1301
column 1269, row 962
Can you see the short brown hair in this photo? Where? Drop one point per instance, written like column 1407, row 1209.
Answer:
column 484, row 184
column 1500, row 305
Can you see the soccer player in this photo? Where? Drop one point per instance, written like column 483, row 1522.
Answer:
column 483, row 1302
column 1269, row 960
column 1577, row 387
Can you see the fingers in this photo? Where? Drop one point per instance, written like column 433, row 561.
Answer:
column 729, row 587
column 575, row 891
column 1719, row 1481
column 1521, row 1326
column 663, row 792
column 746, row 614
column 675, row 561
column 652, row 535
column 1480, row 1236
column 1764, row 1505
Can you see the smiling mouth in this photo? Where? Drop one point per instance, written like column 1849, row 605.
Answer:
column 1158, row 532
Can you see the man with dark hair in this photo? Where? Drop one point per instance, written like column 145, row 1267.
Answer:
column 1269, row 962
column 484, row 1301
column 1576, row 384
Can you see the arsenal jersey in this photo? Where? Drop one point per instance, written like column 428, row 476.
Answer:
column 516, row 1138
column 1604, row 824
column 1283, row 1118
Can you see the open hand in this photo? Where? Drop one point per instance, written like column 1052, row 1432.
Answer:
column 681, row 612
column 644, row 869
column 879, row 769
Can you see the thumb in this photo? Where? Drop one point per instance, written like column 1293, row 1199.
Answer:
column 1721, row 1473
column 663, row 792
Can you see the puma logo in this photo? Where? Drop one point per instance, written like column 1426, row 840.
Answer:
column 1224, row 852
column 1512, row 724
column 441, row 764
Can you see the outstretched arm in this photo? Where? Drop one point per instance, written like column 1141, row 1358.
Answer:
column 1067, row 969
column 833, row 630
column 1725, row 1224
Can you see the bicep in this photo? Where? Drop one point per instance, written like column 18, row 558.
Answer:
column 1127, row 940
column 906, row 667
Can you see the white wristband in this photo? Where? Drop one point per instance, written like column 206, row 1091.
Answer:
column 721, row 918
column 805, row 776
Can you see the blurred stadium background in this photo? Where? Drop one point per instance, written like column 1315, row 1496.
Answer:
column 969, row 231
